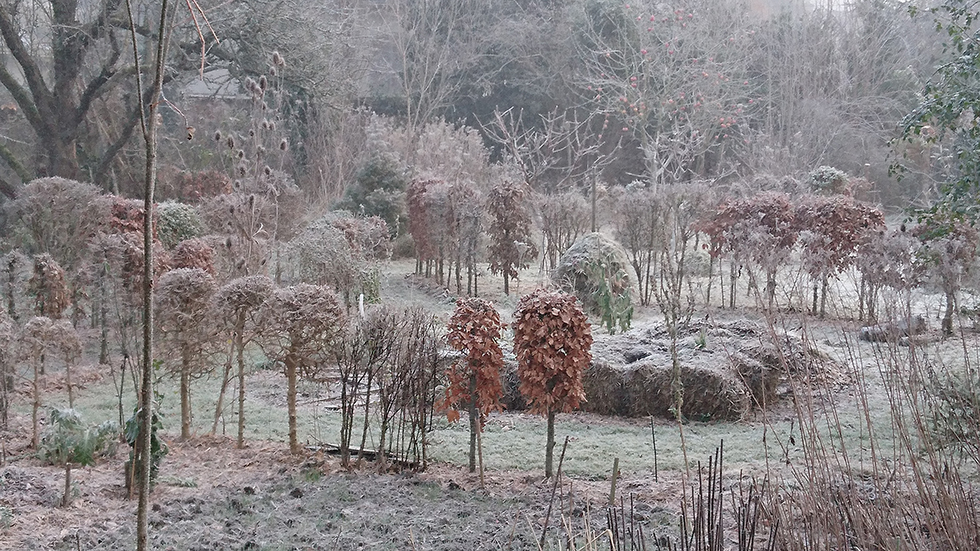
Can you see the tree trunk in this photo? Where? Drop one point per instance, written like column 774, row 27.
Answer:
column 35, row 406
column 549, row 449
column 947, row 323
column 240, row 348
column 148, row 112
column 732, row 279
column 71, row 391
column 225, row 379
column 823, row 297
column 185, row 398
column 506, row 282
column 291, row 371
column 474, row 421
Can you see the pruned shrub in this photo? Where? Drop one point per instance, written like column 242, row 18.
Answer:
column 298, row 327
column 57, row 216
column 182, row 304
column 177, row 222
column 194, row 253
column 49, row 287
column 474, row 380
column 39, row 340
column 236, row 307
column 552, row 341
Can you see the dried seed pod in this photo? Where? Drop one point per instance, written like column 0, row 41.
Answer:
column 230, row 142
column 263, row 83
column 277, row 59
column 267, row 170
column 241, row 153
column 283, row 144
column 217, row 135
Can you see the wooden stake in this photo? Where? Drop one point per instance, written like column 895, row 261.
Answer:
column 612, row 488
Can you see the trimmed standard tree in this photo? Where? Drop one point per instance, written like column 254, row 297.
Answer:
column 474, row 379
column 553, row 344
column 299, row 325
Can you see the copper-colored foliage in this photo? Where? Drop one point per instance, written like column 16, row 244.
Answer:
column 193, row 253
column 834, row 228
column 508, row 204
column 553, row 342
column 49, row 287
column 474, row 329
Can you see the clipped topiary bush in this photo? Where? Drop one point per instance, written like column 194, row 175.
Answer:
column 177, row 222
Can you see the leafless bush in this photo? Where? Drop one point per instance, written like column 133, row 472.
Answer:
column 407, row 388
column 563, row 217
column 368, row 344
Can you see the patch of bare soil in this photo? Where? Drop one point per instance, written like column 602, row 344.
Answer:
column 213, row 496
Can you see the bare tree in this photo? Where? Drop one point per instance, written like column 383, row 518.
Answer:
column 671, row 78
column 433, row 42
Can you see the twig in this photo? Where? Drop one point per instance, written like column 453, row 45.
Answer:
column 554, row 489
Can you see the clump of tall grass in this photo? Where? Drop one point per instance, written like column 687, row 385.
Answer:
column 904, row 484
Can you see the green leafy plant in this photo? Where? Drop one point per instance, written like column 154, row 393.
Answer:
column 69, row 442
column 158, row 448
column 178, row 222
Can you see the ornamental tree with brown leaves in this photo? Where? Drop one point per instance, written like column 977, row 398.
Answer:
column 474, row 380
column 553, row 342
column 298, row 327
column 831, row 228
column 511, row 246
column 49, row 287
